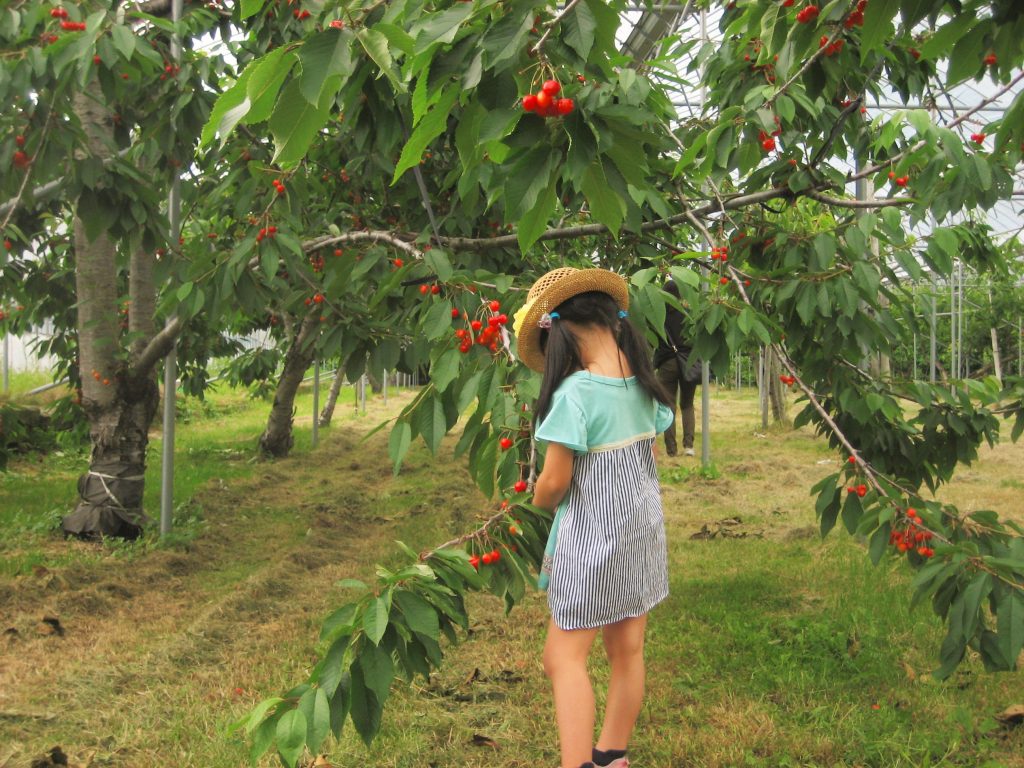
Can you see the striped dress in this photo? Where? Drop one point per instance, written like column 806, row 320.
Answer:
column 606, row 560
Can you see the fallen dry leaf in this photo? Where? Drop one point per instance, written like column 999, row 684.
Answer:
column 479, row 740
column 1012, row 716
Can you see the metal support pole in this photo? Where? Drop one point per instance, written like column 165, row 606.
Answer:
column 954, row 368
column 171, row 361
column 316, row 402
column 762, row 386
column 933, row 350
column 385, row 388
column 1020, row 338
column 362, row 393
column 7, row 363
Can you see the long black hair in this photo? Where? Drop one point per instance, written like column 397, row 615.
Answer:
column 562, row 353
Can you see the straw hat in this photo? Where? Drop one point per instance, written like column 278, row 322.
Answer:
column 548, row 292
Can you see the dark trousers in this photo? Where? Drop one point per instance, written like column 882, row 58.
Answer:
column 682, row 392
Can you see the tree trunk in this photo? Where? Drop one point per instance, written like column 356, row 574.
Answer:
column 776, row 390
column 332, row 398
column 119, row 398
column 277, row 439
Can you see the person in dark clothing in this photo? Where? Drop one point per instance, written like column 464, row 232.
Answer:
column 678, row 374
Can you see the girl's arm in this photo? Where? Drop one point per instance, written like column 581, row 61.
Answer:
column 555, row 478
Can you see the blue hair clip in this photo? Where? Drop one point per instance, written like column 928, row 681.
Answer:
column 623, row 313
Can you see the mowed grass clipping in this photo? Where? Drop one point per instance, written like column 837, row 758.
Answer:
column 775, row 648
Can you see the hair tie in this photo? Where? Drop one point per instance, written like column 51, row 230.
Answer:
column 623, row 313
column 546, row 318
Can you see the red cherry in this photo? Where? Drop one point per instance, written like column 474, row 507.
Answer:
column 398, row 263
column 977, row 138
column 852, row 459
column 19, row 140
column 502, row 319
column 455, row 313
column 337, row 24
column 551, row 87
column 8, row 245
column 476, row 325
column 96, row 59
column 520, row 486
column 862, row 490
column 495, row 556
column 495, row 305
column 529, row 102
column 723, row 280
column 564, row 106
column 505, row 443
column 768, row 144
column 902, row 181
column 543, row 100
column 990, row 59
column 424, row 289
column 474, row 561
column 318, row 298
column 338, row 251
column 435, row 289
column 488, row 558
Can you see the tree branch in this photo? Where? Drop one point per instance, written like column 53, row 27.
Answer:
column 159, row 346
column 844, row 203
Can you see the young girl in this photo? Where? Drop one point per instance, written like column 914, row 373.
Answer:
column 599, row 410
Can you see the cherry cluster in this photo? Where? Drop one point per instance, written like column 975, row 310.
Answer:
column 73, row 26
column 317, row 298
column 856, row 19
column 720, row 253
column 978, row 138
column 831, row 49
column 487, row 558
column 767, row 140
column 787, row 380
column 485, row 337
column 545, row 104
column 58, row 13
column 279, row 186
column 434, row 290
column 912, row 537
column 899, row 181
column 300, row 15
column 265, row 232
column 808, row 14
column 316, row 261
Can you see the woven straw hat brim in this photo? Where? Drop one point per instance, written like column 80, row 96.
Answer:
column 569, row 283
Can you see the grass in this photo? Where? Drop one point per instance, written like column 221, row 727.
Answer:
column 774, row 649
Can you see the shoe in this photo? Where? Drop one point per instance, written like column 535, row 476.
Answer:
column 689, row 452
column 622, row 762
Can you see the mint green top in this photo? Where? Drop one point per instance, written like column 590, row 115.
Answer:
column 591, row 413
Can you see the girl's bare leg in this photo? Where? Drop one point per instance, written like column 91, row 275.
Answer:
column 565, row 663
column 624, row 644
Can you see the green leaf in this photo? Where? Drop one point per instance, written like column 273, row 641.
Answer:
column 231, row 106
column 250, row 8
column 378, row 670
column 419, row 614
column 506, row 39
column 445, row 369
column 317, row 712
column 526, row 180
column 291, row 736
column 437, row 260
column 123, row 40
column 579, row 26
column 441, row 28
column 296, row 122
column 535, row 221
column 376, row 46
column 1010, row 622
column 430, row 128
column 606, row 207
column 265, row 76
column 365, row 710
column 398, row 444
column 329, row 672
column 965, row 58
column 878, row 16
column 375, row 619
column 430, row 422
column 323, row 57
